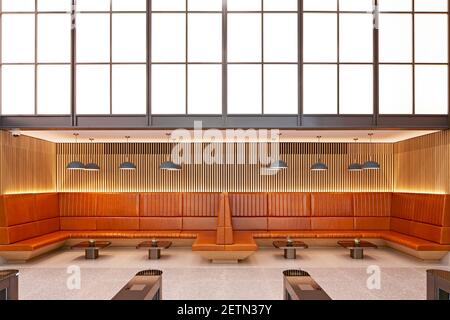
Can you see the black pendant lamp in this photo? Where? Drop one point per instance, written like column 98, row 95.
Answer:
column 278, row 164
column 92, row 166
column 355, row 166
column 371, row 164
column 169, row 165
column 319, row 165
column 127, row 165
column 75, row 165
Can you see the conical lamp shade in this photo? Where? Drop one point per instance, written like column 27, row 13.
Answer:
column 355, row 167
column 170, row 166
column 371, row 165
column 319, row 166
column 92, row 167
column 127, row 165
column 278, row 165
column 75, row 165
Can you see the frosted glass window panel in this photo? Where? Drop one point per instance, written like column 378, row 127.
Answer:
column 93, row 95
column 431, row 90
column 319, row 5
column 356, row 5
column 129, row 5
column 129, row 89
column 320, row 89
column 205, row 5
column 280, row 5
column 320, row 37
column 431, row 39
column 18, row 38
column 17, row 90
column 205, row 89
column 280, row 37
column 395, row 5
column 244, row 5
column 168, row 37
column 93, row 5
column 53, row 89
column 54, row 32
column 168, row 5
column 396, row 89
column 395, row 38
column 129, row 42
column 244, row 89
column 244, row 37
column 54, row 5
column 431, row 5
column 356, row 38
column 356, row 89
column 280, row 89
column 18, row 6
column 168, row 89
column 205, row 37
column 93, row 37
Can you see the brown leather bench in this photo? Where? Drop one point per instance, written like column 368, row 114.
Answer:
column 418, row 224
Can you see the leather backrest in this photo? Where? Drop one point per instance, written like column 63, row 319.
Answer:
column 429, row 208
column 289, row 204
column 201, row 204
column 78, row 204
column 249, row 211
column 24, row 216
column 372, row 204
column 200, row 211
column 17, row 209
column 331, row 205
column 161, row 204
column 118, row 205
column 248, row 204
column 402, row 206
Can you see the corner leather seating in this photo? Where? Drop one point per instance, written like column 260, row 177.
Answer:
column 224, row 226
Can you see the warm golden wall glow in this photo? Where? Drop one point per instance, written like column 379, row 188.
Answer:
column 214, row 178
column 27, row 165
column 423, row 164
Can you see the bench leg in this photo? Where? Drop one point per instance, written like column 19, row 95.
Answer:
column 357, row 253
column 290, row 253
column 91, row 253
column 154, row 254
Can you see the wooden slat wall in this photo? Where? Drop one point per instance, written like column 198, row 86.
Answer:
column 423, row 164
column 223, row 177
column 27, row 165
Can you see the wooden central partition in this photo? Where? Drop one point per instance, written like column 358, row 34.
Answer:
column 225, row 177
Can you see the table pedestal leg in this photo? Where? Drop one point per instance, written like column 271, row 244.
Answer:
column 91, row 253
column 290, row 253
column 154, row 254
column 357, row 253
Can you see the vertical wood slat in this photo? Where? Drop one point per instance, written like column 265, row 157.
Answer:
column 224, row 177
column 422, row 164
column 27, row 165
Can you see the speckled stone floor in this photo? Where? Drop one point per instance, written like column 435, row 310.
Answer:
column 188, row 276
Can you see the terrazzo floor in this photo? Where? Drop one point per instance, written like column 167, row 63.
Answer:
column 188, row 276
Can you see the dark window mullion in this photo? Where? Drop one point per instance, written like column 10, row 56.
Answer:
column 413, row 57
column 35, row 56
column 338, row 56
column 186, row 59
column 300, row 61
column 262, row 56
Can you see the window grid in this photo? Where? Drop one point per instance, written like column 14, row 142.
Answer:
column 413, row 63
column 300, row 63
column 111, row 63
column 36, row 63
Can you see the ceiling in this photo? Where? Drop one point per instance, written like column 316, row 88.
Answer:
column 118, row 136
